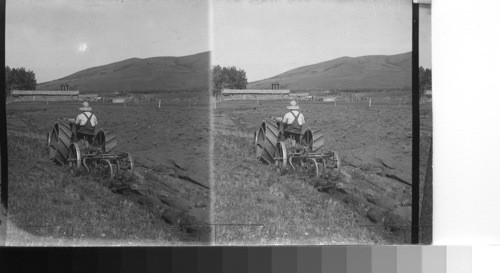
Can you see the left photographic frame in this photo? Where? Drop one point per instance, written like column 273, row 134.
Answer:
column 107, row 120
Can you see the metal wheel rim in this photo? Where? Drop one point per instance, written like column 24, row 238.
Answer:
column 74, row 158
column 111, row 169
column 315, row 166
column 282, row 157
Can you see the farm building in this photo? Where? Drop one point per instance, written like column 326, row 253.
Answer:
column 330, row 99
column 119, row 100
column 88, row 97
column 255, row 94
column 300, row 96
column 45, row 95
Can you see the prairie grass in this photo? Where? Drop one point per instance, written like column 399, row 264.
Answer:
column 255, row 205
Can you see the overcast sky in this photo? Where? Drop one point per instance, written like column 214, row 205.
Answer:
column 425, row 31
column 266, row 38
column 55, row 38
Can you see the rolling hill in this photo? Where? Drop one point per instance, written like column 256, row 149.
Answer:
column 367, row 72
column 158, row 73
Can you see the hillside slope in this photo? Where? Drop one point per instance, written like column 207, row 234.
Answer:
column 375, row 71
column 158, row 73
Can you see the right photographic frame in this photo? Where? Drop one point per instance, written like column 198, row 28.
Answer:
column 322, row 122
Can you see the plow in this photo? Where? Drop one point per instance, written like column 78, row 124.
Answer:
column 96, row 152
column 306, row 156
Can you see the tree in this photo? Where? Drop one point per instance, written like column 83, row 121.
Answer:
column 425, row 80
column 228, row 77
column 19, row 78
column 218, row 80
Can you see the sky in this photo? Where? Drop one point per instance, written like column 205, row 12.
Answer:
column 267, row 38
column 424, row 37
column 55, row 38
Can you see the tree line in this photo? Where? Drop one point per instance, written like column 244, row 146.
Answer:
column 228, row 77
column 19, row 79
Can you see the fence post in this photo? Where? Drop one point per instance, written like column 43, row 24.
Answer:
column 370, row 103
column 159, row 103
column 399, row 104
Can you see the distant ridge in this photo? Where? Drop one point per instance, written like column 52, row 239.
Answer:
column 134, row 74
column 366, row 72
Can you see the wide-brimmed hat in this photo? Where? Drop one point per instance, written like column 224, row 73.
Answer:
column 293, row 105
column 85, row 107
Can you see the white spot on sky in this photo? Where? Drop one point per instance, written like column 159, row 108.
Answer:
column 82, row 47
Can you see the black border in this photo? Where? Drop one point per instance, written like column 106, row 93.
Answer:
column 415, row 188
column 3, row 119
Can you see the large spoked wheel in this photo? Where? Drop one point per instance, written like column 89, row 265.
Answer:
column 281, row 158
column 75, row 159
column 59, row 141
column 267, row 140
column 333, row 164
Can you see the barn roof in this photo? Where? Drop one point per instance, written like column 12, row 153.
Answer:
column 44, row 93
column 254, row 91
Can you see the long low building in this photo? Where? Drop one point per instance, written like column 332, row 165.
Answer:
column 255, row 94
column 45, row 95
column 88, row 97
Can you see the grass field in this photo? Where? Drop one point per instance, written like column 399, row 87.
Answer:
column 252, row 204
column 45, row 200
column 370, row 202
column 290, row 210
column 169, row 146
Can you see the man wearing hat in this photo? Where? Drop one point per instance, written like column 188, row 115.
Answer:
column 84, row 123
column 293, row 122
